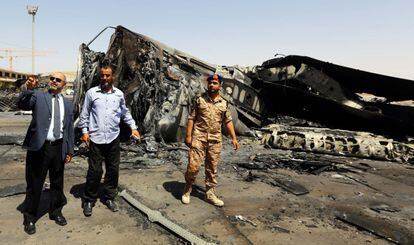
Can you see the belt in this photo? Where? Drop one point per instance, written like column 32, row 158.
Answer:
column 55, row 142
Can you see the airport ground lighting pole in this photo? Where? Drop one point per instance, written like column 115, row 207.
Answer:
column 32, row 10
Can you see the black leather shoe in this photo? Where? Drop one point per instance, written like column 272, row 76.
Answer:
column 59, row 219
column 30, row 228
column 87, row 209
column 111, row 205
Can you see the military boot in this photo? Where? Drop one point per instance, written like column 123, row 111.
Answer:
column 185, row 198
column 212, row 198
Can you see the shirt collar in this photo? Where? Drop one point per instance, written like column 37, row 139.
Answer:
column 218, row 99
column 100, row 90
column 57, row 95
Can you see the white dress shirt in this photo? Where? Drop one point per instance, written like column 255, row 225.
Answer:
column 52, row 123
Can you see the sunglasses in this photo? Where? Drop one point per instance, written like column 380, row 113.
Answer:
column 56, row 79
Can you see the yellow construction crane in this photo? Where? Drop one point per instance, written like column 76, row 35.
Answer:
column 23, row 53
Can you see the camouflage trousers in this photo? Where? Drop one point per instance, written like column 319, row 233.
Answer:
column 200, row 152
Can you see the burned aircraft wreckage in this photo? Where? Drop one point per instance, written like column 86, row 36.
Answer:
column 293, row 102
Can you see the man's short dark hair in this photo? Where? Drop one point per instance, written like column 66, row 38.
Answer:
column 106, row 64
column 107, row 67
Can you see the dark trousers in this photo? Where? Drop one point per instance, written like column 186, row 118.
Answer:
column 110, row 153
column 38, row 163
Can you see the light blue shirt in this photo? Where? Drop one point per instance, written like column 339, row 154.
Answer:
column 50, row 136
column 102, row 113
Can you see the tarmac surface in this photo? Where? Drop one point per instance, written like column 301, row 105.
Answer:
column 256, row 210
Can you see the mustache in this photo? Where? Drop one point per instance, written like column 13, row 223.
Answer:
column 53, row 87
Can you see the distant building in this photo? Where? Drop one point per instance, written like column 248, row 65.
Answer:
column 8, row 78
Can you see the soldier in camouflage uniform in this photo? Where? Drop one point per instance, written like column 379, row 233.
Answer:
column 204, row 138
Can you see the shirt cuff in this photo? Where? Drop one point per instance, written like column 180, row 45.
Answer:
column 85, row 130
column 133, row 127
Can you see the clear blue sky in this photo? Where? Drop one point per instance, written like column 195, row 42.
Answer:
column 373, row 35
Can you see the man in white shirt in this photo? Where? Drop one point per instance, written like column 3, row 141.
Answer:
column 102, row 111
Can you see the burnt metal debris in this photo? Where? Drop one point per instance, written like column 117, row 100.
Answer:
column 156, row 216
column 290, row 186
column 336, row 96
column 380, row 227
column 8, row 100
column 337, row 142
column 161, row 82
column 13, row 190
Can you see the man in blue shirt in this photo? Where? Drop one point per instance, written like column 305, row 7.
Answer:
column 102, row 111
